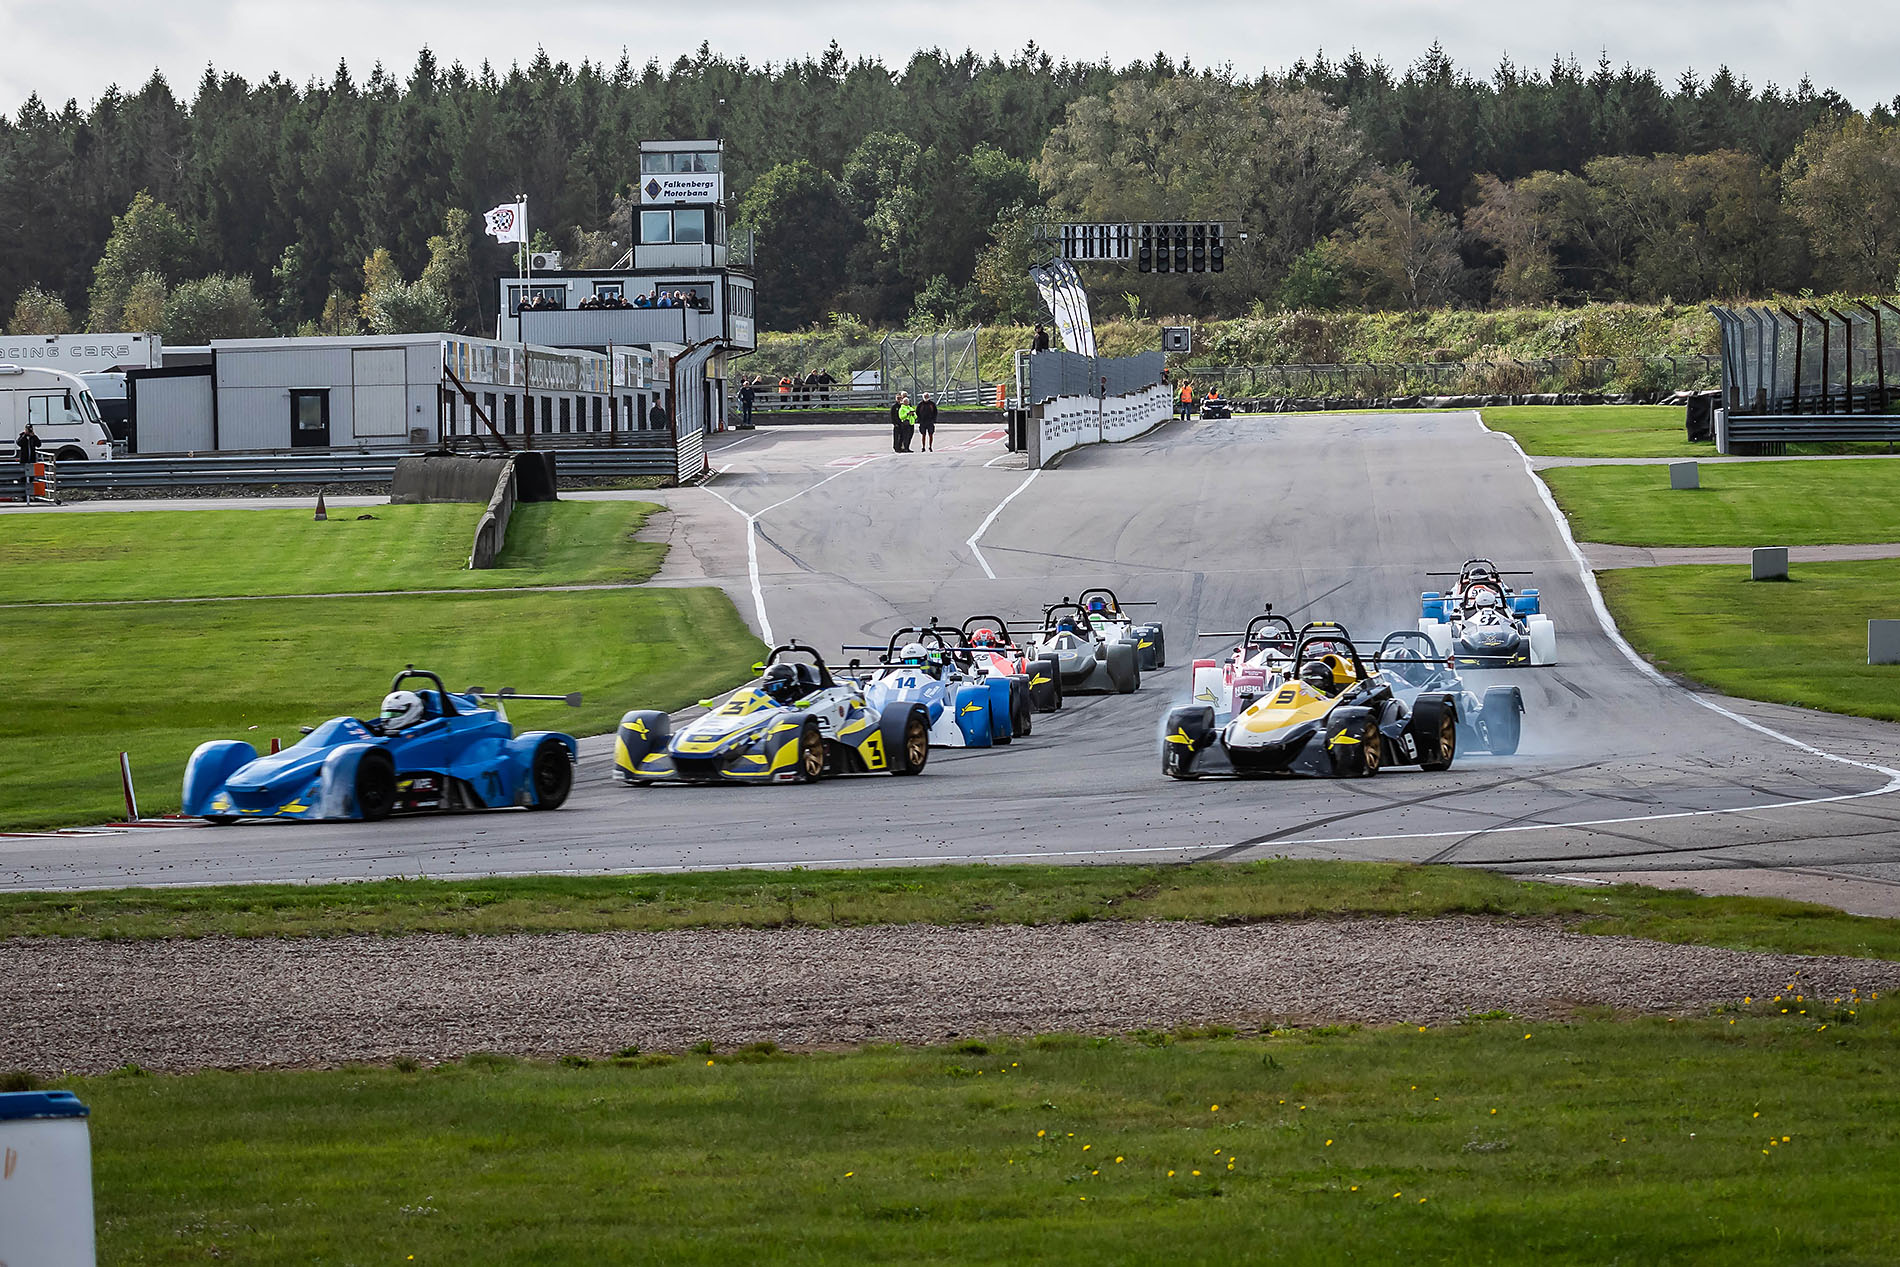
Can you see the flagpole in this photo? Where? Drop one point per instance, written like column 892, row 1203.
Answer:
column 527, row 261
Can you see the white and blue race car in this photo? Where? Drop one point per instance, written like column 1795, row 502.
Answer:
column 968, row 706
column 1483, row 623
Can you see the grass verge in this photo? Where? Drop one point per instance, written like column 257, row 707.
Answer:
column 157, row 680
column 205, row 553
column 1596, row 1140
column 1596, row 431
column 1739, row 504
column 1800, row 642
column 1281, row 889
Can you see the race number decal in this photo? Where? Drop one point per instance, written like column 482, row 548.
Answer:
column 873, row 751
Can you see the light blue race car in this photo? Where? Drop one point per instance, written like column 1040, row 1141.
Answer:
column 430, row 750
column 931, row 666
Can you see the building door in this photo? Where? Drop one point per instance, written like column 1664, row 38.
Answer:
column 310, row 420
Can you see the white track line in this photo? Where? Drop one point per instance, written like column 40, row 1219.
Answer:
column 752, row 537
column 985, row 525
column 1649, row 671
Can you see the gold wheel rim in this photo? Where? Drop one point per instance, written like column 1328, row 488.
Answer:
column 1447, row 737
column 813, row 758
column 1372, row 746
column 916, row 744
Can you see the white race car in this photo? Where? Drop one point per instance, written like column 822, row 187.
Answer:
column 1260, row 661
column 1485, row 624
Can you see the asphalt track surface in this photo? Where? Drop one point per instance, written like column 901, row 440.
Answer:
column 1326, row 516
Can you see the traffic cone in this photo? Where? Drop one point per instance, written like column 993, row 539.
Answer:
column 322, row 514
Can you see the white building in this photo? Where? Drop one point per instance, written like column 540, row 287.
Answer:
column 684, row 288
column 389, row 391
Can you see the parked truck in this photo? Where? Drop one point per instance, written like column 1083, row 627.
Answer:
column 61, row 410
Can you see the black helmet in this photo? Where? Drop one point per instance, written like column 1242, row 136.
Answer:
column 1319, row 675
column 781, row 683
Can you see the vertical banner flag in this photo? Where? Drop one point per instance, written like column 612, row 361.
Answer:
column 506, row 223
column 1068, row 303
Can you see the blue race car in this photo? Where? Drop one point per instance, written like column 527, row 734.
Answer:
column 430, row 750
column 968, row 707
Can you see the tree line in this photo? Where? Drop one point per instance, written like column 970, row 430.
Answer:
column 918, row 193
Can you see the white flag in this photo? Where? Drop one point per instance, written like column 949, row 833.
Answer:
column 506, row 223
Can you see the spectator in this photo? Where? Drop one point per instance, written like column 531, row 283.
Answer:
column 26, row 452
column 927, row 420
column 1187, row 399
column 748, row 390
column 643, row 301
column 666, row 299
column 656, row 417
column 825, row 383
column 1041, row 342
column 784, row 391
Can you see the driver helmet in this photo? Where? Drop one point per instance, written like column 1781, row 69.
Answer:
column 983, row 638
column 781, row 684
column 1319, row 675
column 1410, row 665
column 1065, row 625
column 1098, row 605
column 402, row 709
column 1485, row 599
column 913, row 653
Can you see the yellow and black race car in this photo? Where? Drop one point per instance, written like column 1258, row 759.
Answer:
column 796, row 724
column 1334, row 716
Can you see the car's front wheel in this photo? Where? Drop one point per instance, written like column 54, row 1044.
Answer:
column 552, row 773
column 375, row 786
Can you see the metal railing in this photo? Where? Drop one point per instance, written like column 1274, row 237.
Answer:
column 190, row 471
column 1517, row 376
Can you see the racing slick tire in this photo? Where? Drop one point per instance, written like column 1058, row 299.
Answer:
column 809, row 767
column 1045, row 696
column 551, row 773
column 1124, row 671
column 1188, row 731
column 375, row 786
column 1354, row 744
column 1022, row 716
column 906, row 731
column 1503, row 719
column 642, row 734
column 1435, row 731
column 1155, row 654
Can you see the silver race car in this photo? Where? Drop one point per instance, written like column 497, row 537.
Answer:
column 1084, row 654
column 1414, row 665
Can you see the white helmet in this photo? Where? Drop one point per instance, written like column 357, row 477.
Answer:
column 401, row 709
column 913, row 653
column 1485, row 599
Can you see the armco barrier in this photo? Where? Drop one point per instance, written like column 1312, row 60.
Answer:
column 1073, row 422
column 311, row 470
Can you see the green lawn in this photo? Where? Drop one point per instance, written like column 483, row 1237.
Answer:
column 158, row 679
column 1597, row 431
column 1743, row 1134
column 1739, row 504
column 1800, row 642
column 1281, row 889
column 193, row 553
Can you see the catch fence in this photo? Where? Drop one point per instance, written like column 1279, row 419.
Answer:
column 940, row 363
column 1811, row 360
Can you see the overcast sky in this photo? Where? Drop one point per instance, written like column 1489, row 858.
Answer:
column 76, row 48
